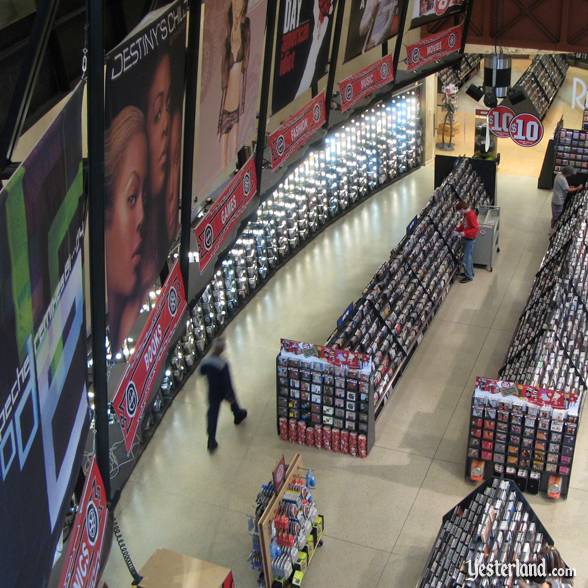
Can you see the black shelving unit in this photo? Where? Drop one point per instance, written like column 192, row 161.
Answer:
column 461, row 73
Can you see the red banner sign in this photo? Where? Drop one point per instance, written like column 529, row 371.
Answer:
column 296, row 131
column 366, row 82
column 338, row 357
column 499, row 120
column 434, row 47
column 82, row 560
column 150, row 354
column 212, row 231
column 526, row 130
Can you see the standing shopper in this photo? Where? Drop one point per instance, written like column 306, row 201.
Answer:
column 560, row 192
column 468, row 229
column 220, row 388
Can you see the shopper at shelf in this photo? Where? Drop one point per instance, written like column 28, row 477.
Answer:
column 561, row 188
column 216, row 369
column 468, row 230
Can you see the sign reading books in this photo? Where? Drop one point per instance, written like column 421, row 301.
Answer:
column 225, row 213
column 150, row 354
column 296, row 131
column 434, row 47
column 84, row 549
column 365, row 82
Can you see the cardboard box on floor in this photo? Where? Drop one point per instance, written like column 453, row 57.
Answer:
column 169, row 569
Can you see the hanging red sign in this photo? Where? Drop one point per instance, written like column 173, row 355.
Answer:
column 434, row 47
column 150, row 353
column 225, row 213
column 365, row 82
column 296, row 131
column 499, row 120
column 82, row 559
column 526, row 130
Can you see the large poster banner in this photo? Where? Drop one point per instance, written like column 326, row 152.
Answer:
column 302, row 48
column 144, row 96
column 296, row 131
column 225, row 213
column 233, row 41
column 365, row 82
column 434, row 47
column 371, row 22
column 84, row 549
column 43, row 397
column 150, row 354
column 426, row 10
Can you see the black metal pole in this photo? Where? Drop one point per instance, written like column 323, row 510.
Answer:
column 400, row 37
column 466, row 24
column 95, row 119
column 189, row 130
column 334, row 56
column 270, row 29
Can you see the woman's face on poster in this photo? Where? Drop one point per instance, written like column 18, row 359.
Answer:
column 124, row 231
column 157, row 123
column 173, row 191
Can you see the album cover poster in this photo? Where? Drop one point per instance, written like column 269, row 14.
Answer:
column 427, row 10
column 43, row 397
column 231, row 67
column 371, row 22
column 142, row 157
column 302, row 48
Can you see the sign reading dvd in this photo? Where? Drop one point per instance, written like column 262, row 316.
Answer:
column 296, row 131
column 434, row 47
column 526, row 130
column 366, row 82
column 225, row 213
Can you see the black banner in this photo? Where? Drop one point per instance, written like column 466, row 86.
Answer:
column 43, row 396
column 144, row 119
column 371, row 22
column 302, row 48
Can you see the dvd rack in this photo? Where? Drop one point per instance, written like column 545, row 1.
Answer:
column 493, row 523
column 550, row 344
column 542, row 80
column 524, row 433
column 571, row 148
column 462, row 73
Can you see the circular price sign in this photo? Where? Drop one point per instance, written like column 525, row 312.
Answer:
column 526, row 130
column 499, row 120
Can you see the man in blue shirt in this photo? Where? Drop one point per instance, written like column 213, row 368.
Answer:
column 560, row 192
column 220, row 387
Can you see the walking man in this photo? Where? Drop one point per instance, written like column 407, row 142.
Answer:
column 560, row 192
column 220, row 387
column 468, row 230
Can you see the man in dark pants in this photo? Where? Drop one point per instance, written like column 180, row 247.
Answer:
column 220, row 387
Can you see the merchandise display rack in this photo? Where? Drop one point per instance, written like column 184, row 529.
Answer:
column 541, row 81
column 287, row 529
column 493, row 523
column 550, row 344
column 462, row 73
column 378, row 334
column 571, row 148
column 524, row 433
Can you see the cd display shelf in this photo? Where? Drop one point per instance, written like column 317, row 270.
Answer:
column 460, row 74
column 541, row 82
column 378, row 332
column 571, row 147
column 493, row 523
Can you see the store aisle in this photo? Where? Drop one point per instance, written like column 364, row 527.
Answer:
column 382, row 513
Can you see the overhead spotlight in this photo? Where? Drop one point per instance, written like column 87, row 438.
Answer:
column 490, row 99
column 497, row 73
column 475, row 92
column 515, row 95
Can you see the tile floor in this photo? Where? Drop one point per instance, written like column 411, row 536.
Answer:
column 382, row 513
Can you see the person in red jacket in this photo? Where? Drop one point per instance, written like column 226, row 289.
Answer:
column 468, row 229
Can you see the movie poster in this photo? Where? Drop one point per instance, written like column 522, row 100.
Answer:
column 371, row 22
column 43, row 398
column 302, row 48
column 427, row 10
column 143, row 154
column 231, row 68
